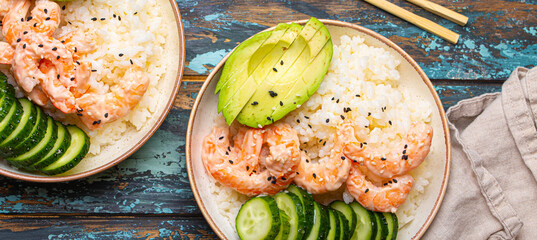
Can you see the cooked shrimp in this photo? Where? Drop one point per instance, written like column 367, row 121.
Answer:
column 38, row 96
column 4, row 7
column 77, row 43
column 406, row 156
column 384, row 196
column 6, row 53
column 240, row 166
column 14, row 23
column 34, row 50
column 96, row 107
column 44, row 19
column 322, row 177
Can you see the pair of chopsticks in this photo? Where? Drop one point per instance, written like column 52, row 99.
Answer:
column 424, row 23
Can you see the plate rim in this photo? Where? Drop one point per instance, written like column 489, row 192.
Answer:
column 369, row 32
column 154, row 128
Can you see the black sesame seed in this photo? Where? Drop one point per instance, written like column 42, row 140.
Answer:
column 297, row 173
column 79, row 114
column 80, row 110
column 309, row 125
column 22, row 19
column 48, row 18
column 229, row 148
column 324, row 143
column 390, row 122
column 45, row 10
column 230, row 161
column 119, row 18
column 327, row 120
column 357, row 95
column 269, row 178
column 63, row 8
column 135, row 13
column 306, row 117
column 385, row 184
column 102, row 19
column 365, row 143
column 76, row 50
column 254, row 103
column 58, row 57
column 24, row 46
column 406, row 145
column 337, row 101
column 94, row 19
column 254, row 171
column 58, row 76
column 93, row 70
column 221, row 137
column 29, row 18
column 395, row 180
column 368, row 114
column 247, row 168
column 25, row 32
column 131, row 61
column 298, row 120
column 361, row 145
column 69, row 23
column 307, row 160
column 78, row 63
column 404, row 151
column 273, row 182
column 333, row 98
column 18, row 40
column 54, row 49
column 72, row 79
column 96, row 122
column 342, row 117
column 268, row 118
column 343, row 158
column 281, row 103
column 114, row 15
column 272, row 93
column 314, row 175
column 227, row 153
column 121, row 54
column 383, row 158
column 283, row 178
column 366, row 190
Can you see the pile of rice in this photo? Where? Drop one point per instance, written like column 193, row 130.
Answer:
column 122, row 31
column 366, row 80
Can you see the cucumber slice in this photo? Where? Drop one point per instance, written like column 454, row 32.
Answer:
column 34, row 137
column 12, row 119
column 320, row 223
column 75, row 153
column 5, row 87
column 343, row 226
column 23, row 129
column 307, row 204
column 393, row 225
column 285, row 227
column 258, row 218
column 349, row 215
column 333, row 233
column 382, row 226
column 366, row 225
column 43, row 147
column 5, row 105
column 292, row 206
column 63, row 141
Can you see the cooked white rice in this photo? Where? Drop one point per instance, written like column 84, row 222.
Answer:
column 365, row 79
column 135, row 32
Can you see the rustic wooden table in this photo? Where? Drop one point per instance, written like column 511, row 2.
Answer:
column 149, row 196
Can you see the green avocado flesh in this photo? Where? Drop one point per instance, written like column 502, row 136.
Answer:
column 278, row 81
column 244, row 61
column 240, row 98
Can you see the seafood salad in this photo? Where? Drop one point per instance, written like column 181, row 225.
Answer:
column 94, row 64
column 360, row 137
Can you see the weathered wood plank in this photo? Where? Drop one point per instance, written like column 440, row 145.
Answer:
column 500, row 35
column 154, row 179
column 104, row 227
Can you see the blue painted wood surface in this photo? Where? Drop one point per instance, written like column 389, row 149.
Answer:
column 148, row 195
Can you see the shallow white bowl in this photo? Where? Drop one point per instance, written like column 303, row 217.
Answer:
column 204, row 114
column 131, row 141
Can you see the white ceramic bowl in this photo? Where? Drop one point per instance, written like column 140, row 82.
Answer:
column 204, row 114
column 132, row 141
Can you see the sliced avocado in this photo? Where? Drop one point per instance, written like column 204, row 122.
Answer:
column 309, row 83
column 240, row 58
column 235, row 103
column 260, row 114
column 241, row 72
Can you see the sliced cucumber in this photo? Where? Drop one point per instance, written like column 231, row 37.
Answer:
column 292, row 206
column 258, row 218
column 343, row 225
column 12, row 119
column 77, row 150
column 382, row 226
column 366, row 225
column 43, row 147
column 62, row 143
column 285, row 227
column 393, row 225
column 307, row 204
column 349, row 215
column 34, row 137
column 5, row 105
column 23, row 129
column 333, row 233
column 321, row 221
column 5, row 87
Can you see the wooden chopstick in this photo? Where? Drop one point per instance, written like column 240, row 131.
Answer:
column 421, row 22
column 441, row 11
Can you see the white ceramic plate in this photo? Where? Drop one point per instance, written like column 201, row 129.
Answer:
column 204, row 113
column 131, row 141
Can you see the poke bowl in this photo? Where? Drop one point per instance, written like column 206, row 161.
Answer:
column 143, row 39
column 220, row 204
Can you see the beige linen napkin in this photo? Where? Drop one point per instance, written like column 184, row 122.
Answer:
column 492, row 189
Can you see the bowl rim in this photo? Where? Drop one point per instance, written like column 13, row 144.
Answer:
column 369, row 32
column 160, row 120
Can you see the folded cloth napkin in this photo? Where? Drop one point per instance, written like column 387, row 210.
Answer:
column 492, row 189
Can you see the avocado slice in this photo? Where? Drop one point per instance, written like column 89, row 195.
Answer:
column 236, row 102
column 231, row 82
column 309, row 83
column 260, row 114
